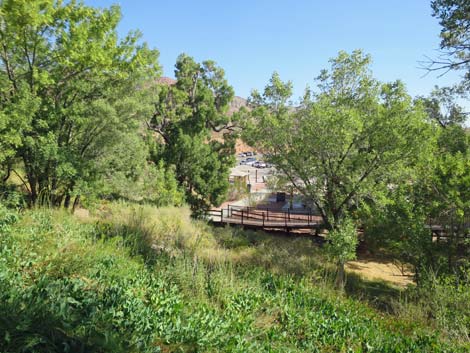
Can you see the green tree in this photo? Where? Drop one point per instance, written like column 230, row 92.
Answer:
column 345, row 144
column 126, row 173
column 446, row 186
column 341, row 246
column 454, row 17
column 15, row 118
column 443, row 108
column 186, row 116
column 398, row 226
column 436, row 193
column 81, row 82
column 451, row 201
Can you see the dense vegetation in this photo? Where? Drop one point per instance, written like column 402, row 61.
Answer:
column 83, row 115
column 120, row 282
column 87, row 122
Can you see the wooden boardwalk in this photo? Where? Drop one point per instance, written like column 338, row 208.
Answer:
column 268, row 218
column 257, row 218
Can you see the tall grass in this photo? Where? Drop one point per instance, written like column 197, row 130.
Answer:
column 139, row 279
column 442, row 301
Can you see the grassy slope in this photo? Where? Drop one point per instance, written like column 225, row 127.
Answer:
column 146, row 280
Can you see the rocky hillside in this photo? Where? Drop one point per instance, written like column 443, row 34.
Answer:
column 236, row 104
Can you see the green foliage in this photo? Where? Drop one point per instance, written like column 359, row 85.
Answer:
column 186, row 113
column 444, row 299
column 161, row 187
column 435, row 192
column 342, row 242
column 341, row 247
column 442, row 107
column 343, row 144
column 454, row 18
column 15, row 119
column 237, row 190
column 7, row 218
column 127, row 174
column 399, row 227
column 346, row 145
column 69, row 92
column 86, row 287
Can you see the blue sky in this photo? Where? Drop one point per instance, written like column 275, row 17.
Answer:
column 251, row 39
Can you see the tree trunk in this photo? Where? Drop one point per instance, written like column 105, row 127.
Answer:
column 7, row 174
column 76, row 202
column 58, row 200
column 67, row 200
column 340, row 276
column 68, row 195
column 33, row 190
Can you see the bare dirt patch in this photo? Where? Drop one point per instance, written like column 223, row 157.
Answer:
column 377, row 269
column 82, row 214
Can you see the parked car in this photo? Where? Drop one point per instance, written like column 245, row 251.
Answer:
column 248, row 154
column 243, row 162
column 259, row 165
column 241, row 154
column 250, row 161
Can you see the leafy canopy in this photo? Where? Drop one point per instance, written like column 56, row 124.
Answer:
column 454, row 17
column 343, row 144
column 187, row 114
column 68, row 89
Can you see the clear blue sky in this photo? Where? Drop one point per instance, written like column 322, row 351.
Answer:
column 251, row 39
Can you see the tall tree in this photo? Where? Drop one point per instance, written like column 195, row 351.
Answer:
column 186, row 115
column 344, row 144
column 454, row 17
column 437, row 192
column 80, row 80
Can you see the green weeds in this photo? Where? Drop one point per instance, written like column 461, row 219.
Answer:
column 146, row 280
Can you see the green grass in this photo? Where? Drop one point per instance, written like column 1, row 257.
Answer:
column 139, row 279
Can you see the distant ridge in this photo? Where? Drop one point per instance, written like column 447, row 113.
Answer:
column 236, row 104
column 166, row 81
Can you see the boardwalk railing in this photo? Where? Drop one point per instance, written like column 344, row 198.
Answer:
column 449, row 226
column 256, row 217
column 265, row 218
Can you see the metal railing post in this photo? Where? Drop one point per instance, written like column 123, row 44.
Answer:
column 221, row 215
column 242, row 217
column 263, row 219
